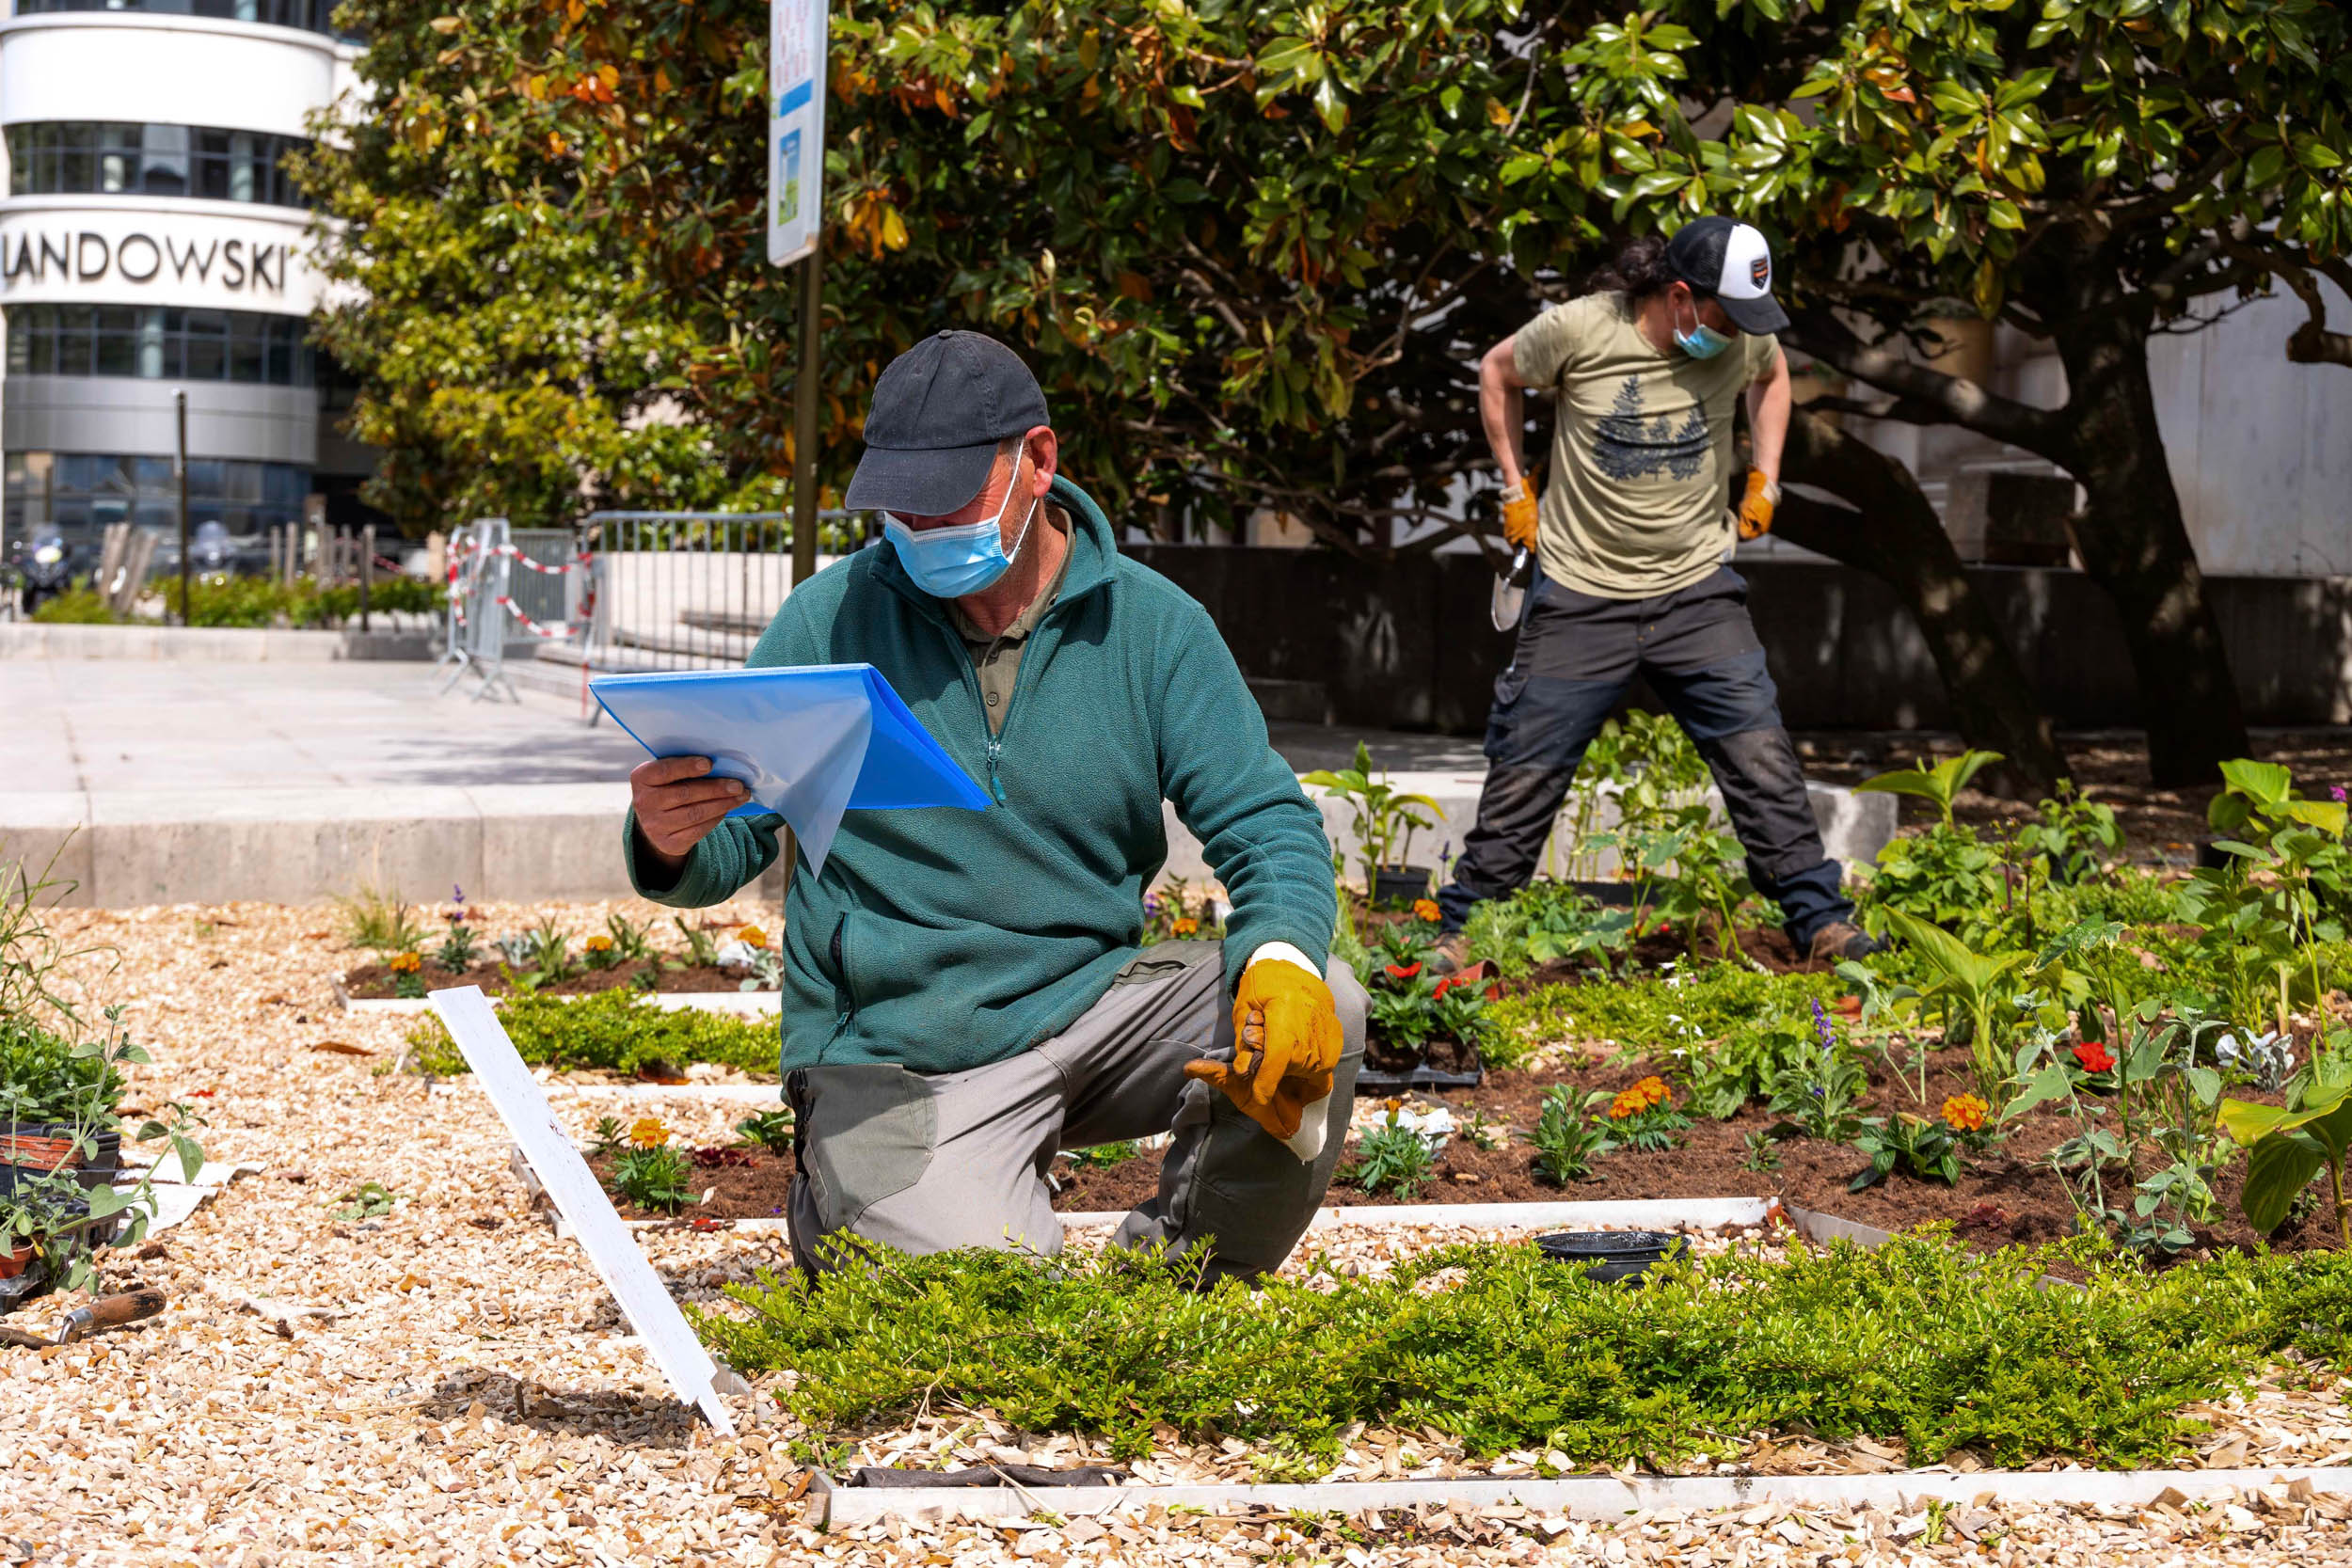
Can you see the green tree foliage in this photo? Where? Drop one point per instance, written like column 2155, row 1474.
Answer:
column 1253, row 251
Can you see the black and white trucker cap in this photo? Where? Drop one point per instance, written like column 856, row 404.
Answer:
column 1731, row 261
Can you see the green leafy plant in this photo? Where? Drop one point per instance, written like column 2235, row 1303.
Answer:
column 1758, row 1151
column 608, row 1133
column 367, row 1201
column 701, row 949
column 1911, row 1144
column 1946, row 876
column 631, row 940
column 379, row 920
column 1939, row 784
column 2288, row 1147
column 1412, row 1007
column 1820, row 1096
column 1977, row 990
column 2079, row 836
column 1384, row 817
column 1392, row 1159
column 1569, row 1135
column 770, row 1130
column 654, row 1176
column 456, row 951
column 1117, row 1153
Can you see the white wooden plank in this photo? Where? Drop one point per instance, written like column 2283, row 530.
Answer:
column 581, row 1199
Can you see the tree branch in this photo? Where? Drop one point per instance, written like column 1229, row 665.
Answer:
column 1927, row 396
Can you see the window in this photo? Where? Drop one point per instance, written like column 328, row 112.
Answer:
column 312, row 16
column 78, row 494
column 158, row 343
column 77, row 158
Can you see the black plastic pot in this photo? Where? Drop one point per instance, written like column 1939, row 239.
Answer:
column 31, row 1148
column 1609, row 894
column 1610, row 1256
column 1400, row 885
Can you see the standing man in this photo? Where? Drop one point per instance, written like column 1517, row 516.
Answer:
column 966, row 993
column 1632, row 536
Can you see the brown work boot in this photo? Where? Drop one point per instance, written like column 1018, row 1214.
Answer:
column 1841, row 939
column 1450, row 952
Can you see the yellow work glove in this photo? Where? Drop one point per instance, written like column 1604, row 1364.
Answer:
column 1755, row 507
column 1518, row 513
column 1286, row 1045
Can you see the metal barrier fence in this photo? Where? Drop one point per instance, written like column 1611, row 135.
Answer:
column 686, row 589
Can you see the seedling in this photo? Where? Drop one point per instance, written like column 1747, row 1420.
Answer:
column 369, row 1200
column 770, row 1130
column 1568, row 1136
column 1392, row 1159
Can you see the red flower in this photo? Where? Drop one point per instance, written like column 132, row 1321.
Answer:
column 2094, row 1056
column 1445, row 984
column 1403, row 972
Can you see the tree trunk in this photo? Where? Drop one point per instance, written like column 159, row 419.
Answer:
column 1895, row 535
column 2136, row 545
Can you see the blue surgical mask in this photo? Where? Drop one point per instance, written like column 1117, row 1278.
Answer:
column 950, row 562
column 1702, row 342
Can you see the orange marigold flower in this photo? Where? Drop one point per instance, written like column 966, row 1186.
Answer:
column 1652, row 1090
column 1626, row 1103
column 600, row 944
column 1185, row 927
column 1964, row 1112
column 751, row 934
column 1426, row 908
column 405, row 963
column 648, row 1133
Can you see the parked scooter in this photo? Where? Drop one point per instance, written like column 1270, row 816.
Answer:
column 45, row 569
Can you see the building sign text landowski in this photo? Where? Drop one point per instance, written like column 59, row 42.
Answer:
column 135, row 258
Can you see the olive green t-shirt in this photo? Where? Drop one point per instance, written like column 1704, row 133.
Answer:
column 1640, row 449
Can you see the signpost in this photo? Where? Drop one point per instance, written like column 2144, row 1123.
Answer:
column 796, row 176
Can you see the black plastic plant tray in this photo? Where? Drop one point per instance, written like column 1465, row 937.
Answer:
column 1610, row 1256
column 1379, row 1081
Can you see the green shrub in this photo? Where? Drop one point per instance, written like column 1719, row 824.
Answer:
column 618, row 1031
column 1919, row 1342
column 42, row 1079
column 1652, row 1015
column 654, row 1177
column 77, row 606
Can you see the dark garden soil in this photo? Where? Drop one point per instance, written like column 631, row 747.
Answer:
column 2162, row 826
column 373, row 981
column 2002, row 1197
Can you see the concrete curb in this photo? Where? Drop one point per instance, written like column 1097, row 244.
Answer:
column 124, row 848
column 1594, row 1498
column 215, row 644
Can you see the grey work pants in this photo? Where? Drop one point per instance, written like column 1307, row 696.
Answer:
column 929, row 1163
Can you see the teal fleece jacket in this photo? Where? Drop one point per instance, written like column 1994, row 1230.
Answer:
column 942, row 939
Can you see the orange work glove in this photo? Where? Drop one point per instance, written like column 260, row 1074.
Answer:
column 1755, row 507
column 1518, row 513
column 1286, row 1045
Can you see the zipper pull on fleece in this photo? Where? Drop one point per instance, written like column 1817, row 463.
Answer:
column 995, row 783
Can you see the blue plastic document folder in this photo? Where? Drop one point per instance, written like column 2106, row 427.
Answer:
column 812, row 742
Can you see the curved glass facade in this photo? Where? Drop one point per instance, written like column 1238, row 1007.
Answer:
column 78, row 494
column 158, row 341
column 312, row 16
column 110, row 158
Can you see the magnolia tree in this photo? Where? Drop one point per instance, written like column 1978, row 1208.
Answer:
column 1254, row 252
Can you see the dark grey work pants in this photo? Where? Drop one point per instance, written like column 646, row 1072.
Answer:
column 928, row 1163
column 1575, row 658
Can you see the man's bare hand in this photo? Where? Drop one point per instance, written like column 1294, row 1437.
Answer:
column 677, row 803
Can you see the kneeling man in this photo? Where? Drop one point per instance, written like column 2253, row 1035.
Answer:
column 965, row 992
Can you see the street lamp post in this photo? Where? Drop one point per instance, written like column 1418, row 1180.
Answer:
column 180, row 466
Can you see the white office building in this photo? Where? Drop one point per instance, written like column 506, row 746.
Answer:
column 151, row 241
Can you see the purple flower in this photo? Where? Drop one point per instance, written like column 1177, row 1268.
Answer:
column 2335, row 793
column 1821, row 1030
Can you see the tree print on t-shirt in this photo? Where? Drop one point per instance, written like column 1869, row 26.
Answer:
column 1626, row 444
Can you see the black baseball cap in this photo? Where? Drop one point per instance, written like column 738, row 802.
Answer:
column 1730, row 262
column 939, row 411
